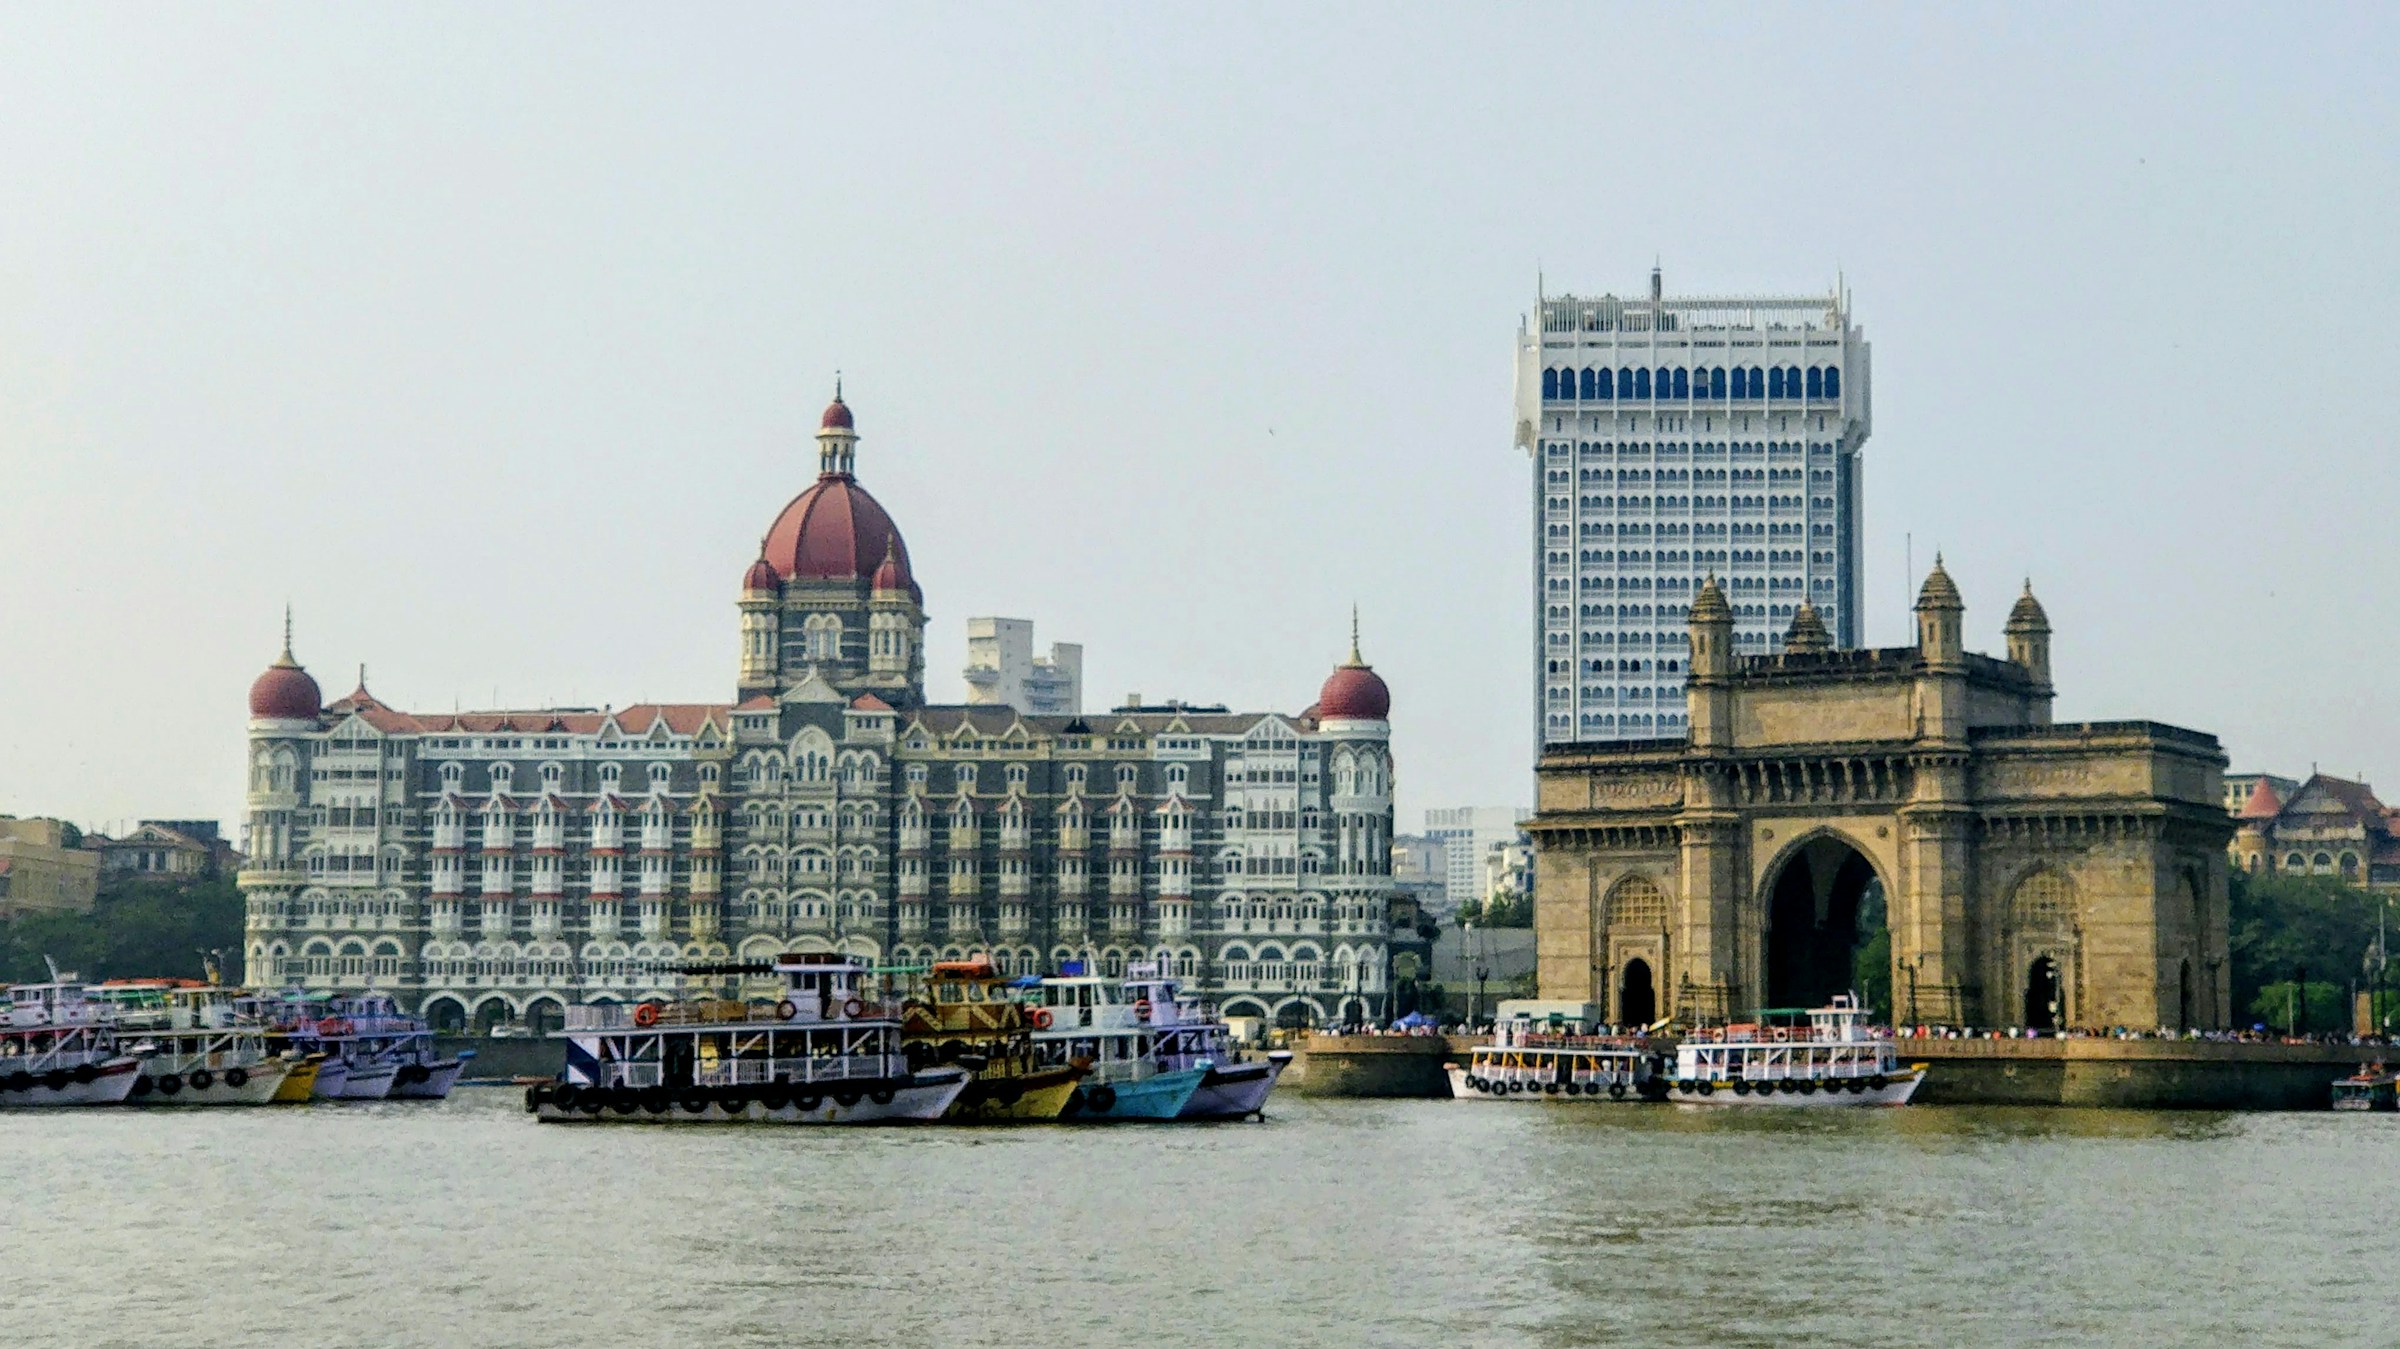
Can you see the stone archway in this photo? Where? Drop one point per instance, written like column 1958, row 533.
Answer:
column 1637, row 994
column 445, row 1015
column 1825, row 929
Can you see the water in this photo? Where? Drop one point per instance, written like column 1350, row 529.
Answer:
column 1339, row 1222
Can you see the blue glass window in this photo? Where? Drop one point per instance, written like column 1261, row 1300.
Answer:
column 1816, row 382
column 1624, row 382
column 1833, row 381
column 1775, row 382
column 1716, row 382
column 1550, row 384
column 1683, row 384
column 1641, row 384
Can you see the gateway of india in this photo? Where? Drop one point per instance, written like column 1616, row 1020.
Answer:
column 497, row 866
column 2026, row 872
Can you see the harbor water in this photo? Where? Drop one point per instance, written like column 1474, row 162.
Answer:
column 1336, row 1222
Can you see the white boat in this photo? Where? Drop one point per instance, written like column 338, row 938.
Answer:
column 59, row 1047
column 1556, row 1056
column 1186, row 1033
column 1822, row 1056
column 373, row 1050
column 1088, row 1021
column 196, row 1046
column 824, row 1053
column 2372, row 1087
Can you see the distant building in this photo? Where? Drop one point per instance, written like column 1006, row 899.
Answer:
column 1503, row 956
column 1002, row 670
column 44, row 868
column 1466, row 834
column 181, row 850
column 2239, row 785
column 2326, row 826
column 1508, row 870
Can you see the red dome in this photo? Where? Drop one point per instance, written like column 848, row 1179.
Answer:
column 761, row 576
column 1354, row 692
column 834, row 531
column 891, row 575
column 837, row 415
column 285, row 692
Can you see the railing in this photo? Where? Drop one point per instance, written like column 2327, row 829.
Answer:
column 608, row 1016
column 768, row 1072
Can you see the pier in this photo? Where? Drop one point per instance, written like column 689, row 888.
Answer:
column 2128, row 1074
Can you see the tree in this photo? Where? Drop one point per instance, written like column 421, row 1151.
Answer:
column 136, row 929
column 2325, row 1009
column 2281, row 923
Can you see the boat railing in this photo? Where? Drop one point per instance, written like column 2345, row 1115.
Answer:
column 768, row 1072
column 609, row 1016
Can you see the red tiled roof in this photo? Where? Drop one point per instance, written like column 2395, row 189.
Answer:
column 2263, row 804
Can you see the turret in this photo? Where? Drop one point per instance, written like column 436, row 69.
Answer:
column 1940, row 640
column 760, row 587
column 1808, row 635
column 1708, row 699
column 2028, row 633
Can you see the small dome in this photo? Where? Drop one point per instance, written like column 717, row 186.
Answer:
column 761, row 576
column 1808, row 634
column 1353, row 692
column 285, row 692
column 890, row 575
column 1709, row 605
column 2027, row 614
column 1939, row 591
column 837, row 415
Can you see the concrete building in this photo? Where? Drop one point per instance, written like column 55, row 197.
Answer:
column 44, row 868
column 2326, row 826
column 2027, row 873
column 499, row 866
column 1674, row 438
column 1508, row 870
column 1467, row 834
column 177, row 850
column 1002, row 670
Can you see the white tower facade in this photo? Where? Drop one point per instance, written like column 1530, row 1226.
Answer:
column 1674, row 438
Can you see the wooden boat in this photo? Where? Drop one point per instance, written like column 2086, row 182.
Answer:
column 969, row 1018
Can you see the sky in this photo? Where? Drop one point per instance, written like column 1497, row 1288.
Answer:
column 491, row 338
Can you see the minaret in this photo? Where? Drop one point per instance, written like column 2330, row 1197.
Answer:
column 1708, row 698
column 1940, row 640
column 761, row 586
column 2028, row 634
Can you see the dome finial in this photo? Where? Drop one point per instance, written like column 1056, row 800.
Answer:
column 1355, row 658
column 285, row 660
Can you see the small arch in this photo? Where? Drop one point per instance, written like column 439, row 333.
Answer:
column 1637, row 994
column 1550, row 385
column 1833, row 381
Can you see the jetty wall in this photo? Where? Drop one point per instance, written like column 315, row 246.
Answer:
column 2130, row 1074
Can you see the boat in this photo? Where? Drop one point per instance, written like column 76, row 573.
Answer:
column 59, row 1046
column 1539, row 1050
column 2372, row 1087
column 824, row 1053
column 1186, row 1033
column 969, row 1018
column 1818, row 1056
column 1094, row 1025
column 300, row 1084
column 196, row 1045
column 371, row 1050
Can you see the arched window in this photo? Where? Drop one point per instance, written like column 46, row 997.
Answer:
column 2349, row 866
column 1624, row 382
column 1716, row 382
column 1758, row 386
column 1775, row 382
column 1641, row 383
column 1591, row 384
column 1816, row 382
column 1741, row 382
column 1638, row 903
column 1550, row 384
column 1602, row 384
column 2043, row 902
column 1683, row 384
column 1833, row 381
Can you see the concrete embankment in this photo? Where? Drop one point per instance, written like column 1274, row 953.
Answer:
column 507, row 1058
column 2133, row 1074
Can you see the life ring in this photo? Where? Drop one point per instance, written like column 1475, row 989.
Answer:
column 1550, row 1089
column 1141, row 1010
column 57, row 1079
column 1103, row 1098
column 1741, row 1086
column 881, row 1095
column 854, row 1009
column 1616, row 1091
column 787, row 1010
column 1806, row 1086
column 1574, row 1089
column 624, row 1100
column 237, row 1077
column 847, row 1099
column 656, row 1100
column 775, row 1101
column 1878, row 1082
column 734, row 1104
column 1705, row 1087
column 87, row 1073
column 695, row 1105
column 563, row 1096
column 202, row 1079
column 533, row 1099
column 645, row 1014
column 1040, row 1017
column 808, row 1101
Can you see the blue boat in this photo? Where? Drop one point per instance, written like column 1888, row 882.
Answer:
column 1087, row 1021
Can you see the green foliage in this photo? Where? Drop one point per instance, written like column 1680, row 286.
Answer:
column 2281, row 924
column 136, row 930
column 1871, row 973
column 2328, row 1007
column 1502, row 910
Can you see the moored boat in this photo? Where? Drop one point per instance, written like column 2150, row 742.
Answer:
column 372, row 1050
column 2372, row 1087
column 1821, row 1056
column 824, row 1053
column 968, row 1018
column 59, row 1047
column 1534, row 1056
column 196, row 1046
column 1092, row 1024
column 1186, row 1033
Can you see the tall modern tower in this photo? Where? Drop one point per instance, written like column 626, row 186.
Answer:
column 1673, row 438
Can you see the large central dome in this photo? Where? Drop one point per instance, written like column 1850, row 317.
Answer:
column 835, row 531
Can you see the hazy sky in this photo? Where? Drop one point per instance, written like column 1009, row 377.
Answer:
column 492, row 338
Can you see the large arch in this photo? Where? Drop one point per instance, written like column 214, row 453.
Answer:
column 2043, row 945
column 1822, row 906
column 445, row 1014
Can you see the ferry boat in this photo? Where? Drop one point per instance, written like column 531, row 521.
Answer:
column 60, row 1047
column 1542, row 1050
column 1186, row 1033
column 1093, row 1024
column 2372, row 1087
column 1822, row 1056
column 970, row 1019
column 823, row 1054
column 369, row 1049
column 196, row 1046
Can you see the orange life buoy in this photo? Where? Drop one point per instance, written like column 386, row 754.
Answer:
column 1040, row 1017
column 854, row 1008
column 1141, row 1010
column 646, row 1014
